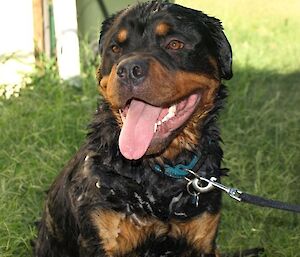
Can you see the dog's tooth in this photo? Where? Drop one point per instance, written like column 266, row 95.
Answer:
column 166, row 118
column 170, row 114
column 172, row 110
column 155, row 127
column 159, row 123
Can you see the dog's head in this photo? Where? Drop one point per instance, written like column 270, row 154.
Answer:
column 162, row 66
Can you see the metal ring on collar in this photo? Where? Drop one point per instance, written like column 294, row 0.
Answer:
column 203, row 189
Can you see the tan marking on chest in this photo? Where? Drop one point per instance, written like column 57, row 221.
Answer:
column 120, row 234
column 200, row 232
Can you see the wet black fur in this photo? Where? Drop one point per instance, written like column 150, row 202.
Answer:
column 130, row 187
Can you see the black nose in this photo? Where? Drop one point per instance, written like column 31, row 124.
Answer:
column 132, row 71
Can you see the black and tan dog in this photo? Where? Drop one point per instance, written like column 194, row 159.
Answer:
column 124, row 193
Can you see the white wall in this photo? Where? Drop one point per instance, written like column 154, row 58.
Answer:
column 16, row 40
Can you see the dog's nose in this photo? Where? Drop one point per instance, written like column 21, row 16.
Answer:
column 132, row 71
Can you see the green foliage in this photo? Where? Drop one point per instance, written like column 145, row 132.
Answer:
column 43, row 127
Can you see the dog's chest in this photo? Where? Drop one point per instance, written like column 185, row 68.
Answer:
column 130, row 197
column 129, row 190
column 129, row 211
column 121, row 234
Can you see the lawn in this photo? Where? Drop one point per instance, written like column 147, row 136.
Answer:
column 41, row 130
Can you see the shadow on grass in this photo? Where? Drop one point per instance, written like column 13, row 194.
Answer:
column 260, row 129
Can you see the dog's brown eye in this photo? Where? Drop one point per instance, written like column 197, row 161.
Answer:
column 116, row 49
column 175, row 45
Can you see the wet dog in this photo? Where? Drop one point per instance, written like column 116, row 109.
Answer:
column 125, row 191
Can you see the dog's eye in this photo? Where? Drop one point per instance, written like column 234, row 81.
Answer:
column 116, row 49
column 175, row 45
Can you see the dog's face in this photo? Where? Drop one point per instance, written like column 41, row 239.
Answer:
column 162, row 65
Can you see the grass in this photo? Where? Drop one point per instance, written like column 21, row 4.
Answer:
column 41, row 130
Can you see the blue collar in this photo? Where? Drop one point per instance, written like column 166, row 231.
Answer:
column 178, row 171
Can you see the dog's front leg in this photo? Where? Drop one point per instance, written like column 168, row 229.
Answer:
column 47, row 245
column 90, row 247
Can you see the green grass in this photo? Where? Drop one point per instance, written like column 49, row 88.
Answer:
column 42, row 129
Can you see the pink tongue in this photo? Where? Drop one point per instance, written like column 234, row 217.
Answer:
column 138, row 129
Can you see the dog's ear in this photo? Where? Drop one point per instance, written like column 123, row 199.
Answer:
column 106, row 25
column 221, row 45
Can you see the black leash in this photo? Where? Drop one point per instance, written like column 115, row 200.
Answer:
column 260, row 201
column 197, row 185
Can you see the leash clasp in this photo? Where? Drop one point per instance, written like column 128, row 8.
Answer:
column 234, row 193
column 211, row 184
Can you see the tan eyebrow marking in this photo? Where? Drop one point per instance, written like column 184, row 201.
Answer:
column 122, row 35
column 162, row 29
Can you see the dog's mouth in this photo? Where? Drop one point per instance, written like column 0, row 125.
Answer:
column 145, row 125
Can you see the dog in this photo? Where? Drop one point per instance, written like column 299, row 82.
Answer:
column 126, row 192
